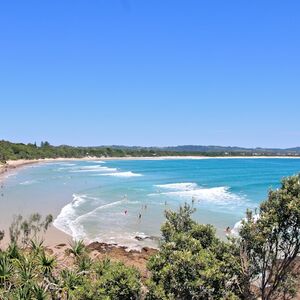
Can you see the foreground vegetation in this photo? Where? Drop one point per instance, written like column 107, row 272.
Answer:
column 193, row 263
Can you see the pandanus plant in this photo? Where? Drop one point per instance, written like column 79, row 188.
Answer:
column 6, row 270
column 47, row 263
column 77, row 248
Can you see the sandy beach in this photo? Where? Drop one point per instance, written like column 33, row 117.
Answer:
column 55, row 236
column 57, row 242
column 13, row 164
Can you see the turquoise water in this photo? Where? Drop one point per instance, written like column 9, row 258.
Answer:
column 102, row 201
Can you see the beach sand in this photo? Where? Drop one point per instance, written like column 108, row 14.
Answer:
column 55, row 236
column 57, row 242
column 13, row 164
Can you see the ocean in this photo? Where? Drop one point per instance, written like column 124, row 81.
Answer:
column 123, row 201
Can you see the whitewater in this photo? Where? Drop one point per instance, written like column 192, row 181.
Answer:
column 123, row 201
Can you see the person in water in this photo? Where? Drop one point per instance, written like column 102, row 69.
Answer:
column 193, row 200
column 228, row 230
column 125, row 211
column 140, row 216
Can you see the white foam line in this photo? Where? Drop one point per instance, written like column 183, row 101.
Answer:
column 178, row 186
column 101, row 169
column 122, row 174
column 104, row 206
column 192, row 190
column 28, row 182
column 65, row 220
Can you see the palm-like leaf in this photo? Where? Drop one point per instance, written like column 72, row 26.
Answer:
column 36, row 246
column 26, row 271
column 21, row 293
column 13, row 251
column 6, row 268
column 70, row 281
column 40, row 293
column 47, row 263
column 77, row 248
column 84, row 263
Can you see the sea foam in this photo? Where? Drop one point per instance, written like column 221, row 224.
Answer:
column 122, row 174
column 178, row 186
column 190, row 190
column 28, row 182
column 95, row 169
column 66, row 220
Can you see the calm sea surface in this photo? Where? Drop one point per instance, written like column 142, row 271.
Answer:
column 116, row 201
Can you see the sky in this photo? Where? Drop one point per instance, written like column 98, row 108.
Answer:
column 150, row 73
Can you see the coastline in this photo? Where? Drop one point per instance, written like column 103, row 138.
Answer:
column 57, row 241
column 54, row 236
column 13, row 164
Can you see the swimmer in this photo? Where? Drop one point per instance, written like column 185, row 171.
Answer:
column 228, row 230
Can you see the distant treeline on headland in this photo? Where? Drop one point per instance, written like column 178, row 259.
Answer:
column 13, row 151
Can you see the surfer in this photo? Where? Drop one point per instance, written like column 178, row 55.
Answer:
column 140, row 216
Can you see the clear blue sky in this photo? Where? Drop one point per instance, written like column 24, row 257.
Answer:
column 159, row 72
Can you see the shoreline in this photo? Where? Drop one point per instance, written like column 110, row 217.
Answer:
column 13, row 164
column 55, row 236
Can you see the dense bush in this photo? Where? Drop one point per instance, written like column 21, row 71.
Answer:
column 28, row 271
column 260, row 262
column 111, row 280
column 269, row 243
column 192, row 262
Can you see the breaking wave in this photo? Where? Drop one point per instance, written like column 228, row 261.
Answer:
column 73, row 218
column 66, row 220
column 122, row 174
column 93, row 169
column 178, row 186
column 190, row 190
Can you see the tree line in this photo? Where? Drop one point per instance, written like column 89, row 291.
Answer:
column 14, row 151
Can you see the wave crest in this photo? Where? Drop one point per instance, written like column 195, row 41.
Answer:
column 190, row 190
column 122, row 174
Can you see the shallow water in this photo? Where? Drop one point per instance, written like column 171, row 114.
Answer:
column 102, row 201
